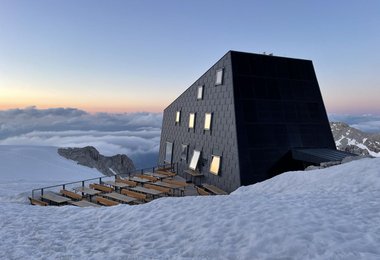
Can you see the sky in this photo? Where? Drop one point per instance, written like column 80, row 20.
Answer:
column 134, row 56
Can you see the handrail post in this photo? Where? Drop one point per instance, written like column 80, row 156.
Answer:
column 64, row 186
column 42, row 192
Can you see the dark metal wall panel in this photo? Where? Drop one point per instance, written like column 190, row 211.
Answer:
column 278, row 107
column 221, row 140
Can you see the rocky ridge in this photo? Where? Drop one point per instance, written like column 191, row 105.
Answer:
column 352, row 140
column 90, row 157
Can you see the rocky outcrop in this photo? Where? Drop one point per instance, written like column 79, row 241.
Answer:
column 355, row 141
column 90, row 157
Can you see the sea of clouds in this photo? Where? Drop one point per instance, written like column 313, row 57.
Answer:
column 368, row 123
column 134, row 134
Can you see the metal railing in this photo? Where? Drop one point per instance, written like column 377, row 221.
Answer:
column 173, row 166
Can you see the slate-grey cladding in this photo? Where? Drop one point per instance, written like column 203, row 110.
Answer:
column 221, row 140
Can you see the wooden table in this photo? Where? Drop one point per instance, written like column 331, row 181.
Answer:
column 214, row 189
column 139, row 180
column 147, row 191
column 87, row 191
column 83, row 203
column 116, row 184
column 193, row 175
column 119, row 197
column 55, row 198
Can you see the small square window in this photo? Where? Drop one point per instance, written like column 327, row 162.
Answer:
column 194, row 160
column 184, row 152
column 215, row 164
column 219, row 77
column 177, row 117
column 200, row 92
column 208, row 117
column 168, row 152
column 191, row 120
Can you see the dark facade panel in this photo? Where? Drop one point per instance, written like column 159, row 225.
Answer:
column 278, row 107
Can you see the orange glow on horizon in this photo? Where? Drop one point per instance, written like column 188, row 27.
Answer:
column 21, row 95
column 89, row 109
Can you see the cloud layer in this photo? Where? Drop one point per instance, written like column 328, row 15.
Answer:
column 366, row 123
column 134, row 134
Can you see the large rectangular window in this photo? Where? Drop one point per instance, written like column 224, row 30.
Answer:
column 200, row 92
column 194, row 160
column 208, row 118
column 168, row 152
column 192, row 120
column 184, row 152
column 177, row 117
column 215, row 164
column 219, row 77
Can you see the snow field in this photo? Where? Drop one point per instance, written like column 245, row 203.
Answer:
column 332, row 213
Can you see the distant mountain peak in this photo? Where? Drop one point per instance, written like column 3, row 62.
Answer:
column 352, row 140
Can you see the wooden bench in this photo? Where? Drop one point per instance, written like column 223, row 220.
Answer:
column 37, row 202
column 101, row 187
column 71, row 195
column 202, row 191
column 155, row 187
column 130, row 183
column 105, row 202
column 147, row 177
column 134, row 194
column 179, row 183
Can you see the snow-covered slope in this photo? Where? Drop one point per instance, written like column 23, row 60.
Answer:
column 23, row 168
column 333, row 213
column 355, row 141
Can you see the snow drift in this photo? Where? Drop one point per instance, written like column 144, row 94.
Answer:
column 330, row 213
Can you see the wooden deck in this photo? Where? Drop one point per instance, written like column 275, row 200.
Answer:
column 109, row 191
